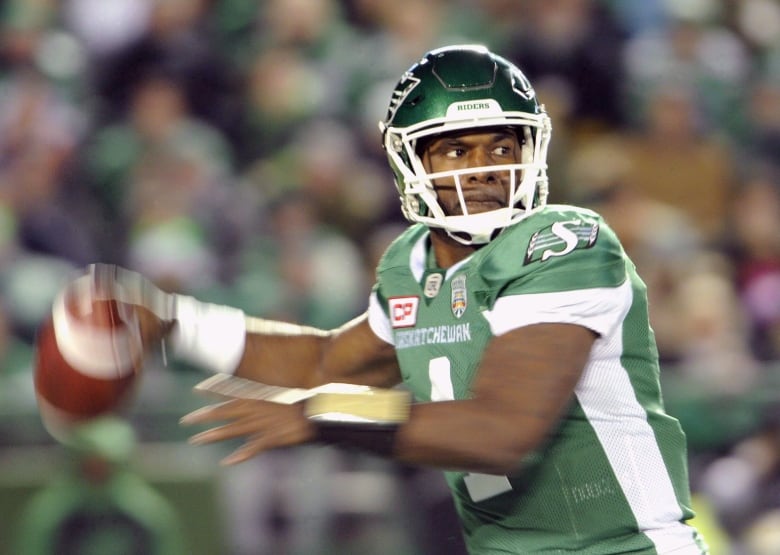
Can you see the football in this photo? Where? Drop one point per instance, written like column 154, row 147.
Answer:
column 88, row 357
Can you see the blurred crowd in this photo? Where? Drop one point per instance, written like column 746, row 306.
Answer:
column 229, row 149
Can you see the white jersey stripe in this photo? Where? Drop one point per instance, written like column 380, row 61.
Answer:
column 646, row 482
column 607, row 397
column 609, row 401
column 597, row 309
column 379, row 321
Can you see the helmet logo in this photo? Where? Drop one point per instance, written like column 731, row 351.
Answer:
column 405, row 86
column 522, row 86
column 474, row 108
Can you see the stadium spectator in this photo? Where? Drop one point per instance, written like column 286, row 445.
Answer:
column 579, row 42
column 675, row 161
column 755, row 252
column 159, row 162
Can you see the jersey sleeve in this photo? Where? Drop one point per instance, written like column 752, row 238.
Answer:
column 378, row 319
column 569, row 268
column 394, row 261
column 599, row 309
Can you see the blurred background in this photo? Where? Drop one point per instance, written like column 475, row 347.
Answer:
column 229, row 149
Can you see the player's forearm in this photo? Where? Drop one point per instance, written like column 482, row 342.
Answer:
column 223, row 339
column 451, row 435
column 284, row 354
column 468, row 435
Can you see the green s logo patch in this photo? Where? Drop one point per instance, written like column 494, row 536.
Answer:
column 559, row 239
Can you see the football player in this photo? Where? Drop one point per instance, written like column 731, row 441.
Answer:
column 519, row 328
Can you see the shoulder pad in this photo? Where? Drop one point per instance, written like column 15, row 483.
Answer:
column 559, row 248
column 399, row 251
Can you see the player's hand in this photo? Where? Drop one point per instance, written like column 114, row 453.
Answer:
column 152, row 307
column 264, row 425
column 204, row 334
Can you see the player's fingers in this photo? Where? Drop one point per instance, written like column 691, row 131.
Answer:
column 102, row 280
column 246, row 426
column 219, row 411
column 244, row 453
column 201, row 415
column 221, row 433
column 250, row 419
column 295, row 433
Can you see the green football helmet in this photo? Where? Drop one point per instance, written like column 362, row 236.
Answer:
column 465, row 87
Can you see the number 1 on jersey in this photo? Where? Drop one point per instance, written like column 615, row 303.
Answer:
column 479, row 486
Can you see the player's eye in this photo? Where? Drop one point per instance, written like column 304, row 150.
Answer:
column 454, row 152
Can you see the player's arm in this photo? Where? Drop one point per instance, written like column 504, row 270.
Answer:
column 300, row 356
column 221, row 338
column 525, row 381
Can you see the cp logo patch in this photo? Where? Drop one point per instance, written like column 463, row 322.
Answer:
column 403, row 311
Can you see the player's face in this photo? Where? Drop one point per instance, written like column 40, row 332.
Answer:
column 483, row 190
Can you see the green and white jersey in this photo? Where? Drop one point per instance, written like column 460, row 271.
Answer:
column 613, row 476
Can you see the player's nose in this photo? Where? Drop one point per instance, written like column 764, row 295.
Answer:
column 480, row 159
